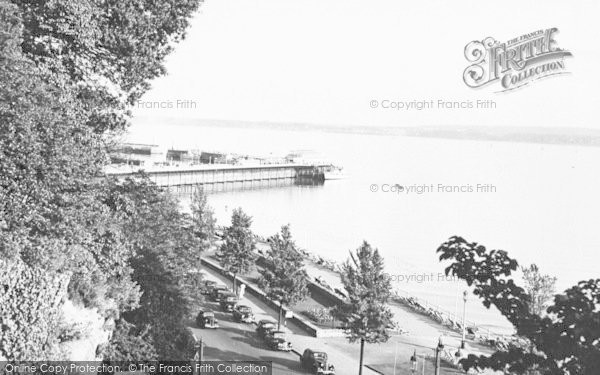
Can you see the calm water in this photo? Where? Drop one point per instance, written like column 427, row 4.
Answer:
column 545, row 208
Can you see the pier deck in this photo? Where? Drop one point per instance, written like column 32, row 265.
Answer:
column 210, row 174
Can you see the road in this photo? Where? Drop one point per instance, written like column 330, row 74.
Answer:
column 242, row 343
column 234, row 341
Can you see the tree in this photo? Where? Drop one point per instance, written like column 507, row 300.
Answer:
column 366, row 315
column 566, row 341
column 165, row 250
column 110, row 49
column 284, row 278
column 540, row 288
column 237, row 252
column 203, row 218
column 52, row 219
column 129, row 344
column 69, row 71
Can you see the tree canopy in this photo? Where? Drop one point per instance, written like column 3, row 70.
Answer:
column 366, row 314
column 284, row 278
column 203, row 218
column 237, row 254
column 69, row 72
column 565, row 341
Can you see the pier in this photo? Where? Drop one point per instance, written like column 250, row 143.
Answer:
column 211, row 175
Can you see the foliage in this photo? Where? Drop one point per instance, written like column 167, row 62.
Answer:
column 540, row 288
column 51, row 217
column 30, row 303
column 566, row 341
column 203, row 218
column 320, row 314
column 237, row 251
column 110, row 49
column 284, row 278
column 366, row 315
column 68, row 72
column 165, row 250
column 129, row 344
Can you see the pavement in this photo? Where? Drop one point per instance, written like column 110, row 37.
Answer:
column 416, row 328
column 239, row 341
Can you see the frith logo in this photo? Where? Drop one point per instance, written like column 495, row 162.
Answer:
column 515, row 63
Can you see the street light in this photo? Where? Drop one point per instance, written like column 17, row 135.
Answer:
column 458, row 354
column 413, row 362
column 438, row 350
column 199, row 348
column 464, row 327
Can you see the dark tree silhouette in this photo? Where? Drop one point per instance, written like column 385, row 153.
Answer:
column 565, row 341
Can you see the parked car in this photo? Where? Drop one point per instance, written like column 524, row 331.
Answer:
column 206, row 319
column 265, row 326
column 316, row 362
column 228, row 301
column 243, row 313
column 207, row 286
column 276, row 341
column 216, row 290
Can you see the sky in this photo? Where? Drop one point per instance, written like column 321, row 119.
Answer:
column 326, row 62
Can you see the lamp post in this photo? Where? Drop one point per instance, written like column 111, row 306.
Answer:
column 413, row 362
column 464, row 327
column 438, row 350
column 199, row 348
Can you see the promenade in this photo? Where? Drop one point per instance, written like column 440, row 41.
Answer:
column 379, row 358
column 419, row 332
column 238, row 341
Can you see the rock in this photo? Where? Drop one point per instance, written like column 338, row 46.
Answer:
column 89, row 331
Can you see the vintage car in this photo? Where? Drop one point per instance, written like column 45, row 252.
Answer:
column 265, row 327
column 206, row 319
column 216, row 290
column 207, row 286
column 316, row 362
column 228, row 301
column 276, row 341
column 243, row 313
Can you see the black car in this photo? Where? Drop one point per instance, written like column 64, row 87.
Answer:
column 243, row 313
column 207, row 286
column 316, row 362
column 276, row 341
column 206, row 319
column 228, row 301
column 216, row 291
column 265, row 327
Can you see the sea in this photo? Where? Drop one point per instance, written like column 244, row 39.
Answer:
column 407, row 195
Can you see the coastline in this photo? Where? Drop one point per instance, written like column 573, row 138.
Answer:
column 414, row 316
